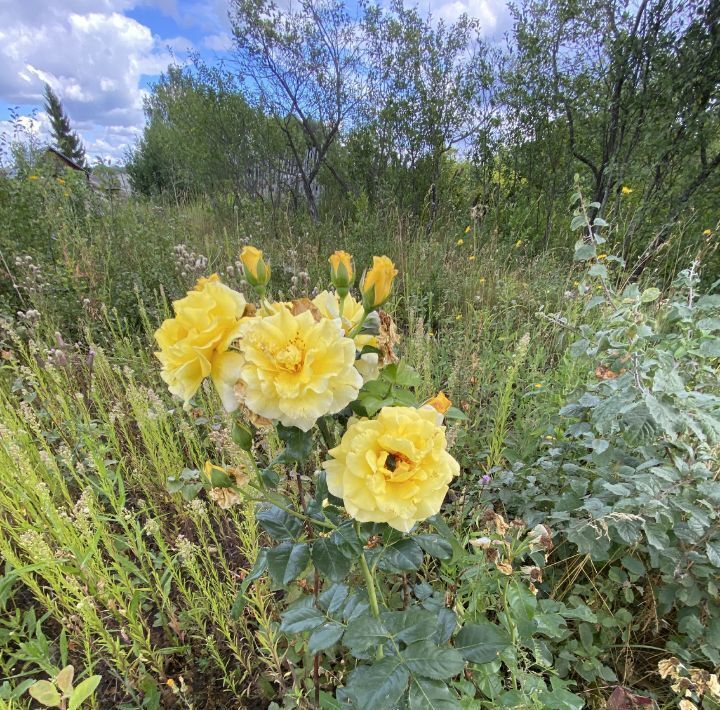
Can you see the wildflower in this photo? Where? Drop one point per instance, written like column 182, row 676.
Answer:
column 467, row 229
column 61, row 181
column 342, row 273
column 458, row 316
column 485, row 478
column 576, row 283
column 34, row 177
column 256, row 271
column 600, row 257
column 471, row 258
column 626, row 190
column 538, row 385
column 440, row 402
column 195, row 343
column 460, row 242
column 296, row 369
column 518, row 243
column 394, row 469
column 482, row 280
column 377, row 283
column 707, row 232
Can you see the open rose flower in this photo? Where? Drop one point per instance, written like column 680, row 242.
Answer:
column 195, row 343
column 296, row 369
column 394, row 469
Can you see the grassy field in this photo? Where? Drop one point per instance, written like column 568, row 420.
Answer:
column 106, row 569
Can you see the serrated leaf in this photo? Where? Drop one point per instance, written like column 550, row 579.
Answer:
column 410, row 625
column 403, row 556
column 325, row 636
column 378, row 686
column 425, row 659
column 330, row 560
column 332, row 599
column 83, row 691
column 299, row 619
column 298, row 443
column 362, row 633
column 481, row 642
column 435, row 545
column 431, row 695
column 287, row 561
column 279, row 524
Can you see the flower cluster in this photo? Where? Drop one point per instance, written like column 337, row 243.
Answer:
column 293, row 363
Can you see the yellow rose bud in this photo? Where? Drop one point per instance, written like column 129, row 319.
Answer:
column 256, row 271
column 377, row 284
column 342, row 273
column 440, row 402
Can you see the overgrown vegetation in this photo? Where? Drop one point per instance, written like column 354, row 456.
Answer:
column 575, row 559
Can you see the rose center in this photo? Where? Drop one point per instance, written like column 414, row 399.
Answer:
column 396, row 466
column 291, row 357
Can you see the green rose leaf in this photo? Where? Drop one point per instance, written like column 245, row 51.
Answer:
column 279, row 524
column 431, row 695
column 330, row 560
column 298, row 443
column 403, row 556
column 325, row 636
column 481, row 642
column 362, row 633
column 287, row 561
column 242, row 436
column 378, row 686
column 435, row 546
column 426, row 659
column 332, row 599
column 302, row 618
column 410, row 625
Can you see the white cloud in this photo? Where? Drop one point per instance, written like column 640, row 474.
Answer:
column 92, row 55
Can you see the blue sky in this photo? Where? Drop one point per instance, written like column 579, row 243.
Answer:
column 101, row 56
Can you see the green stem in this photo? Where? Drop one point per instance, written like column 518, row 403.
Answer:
column 359, row 326
column 370, row 585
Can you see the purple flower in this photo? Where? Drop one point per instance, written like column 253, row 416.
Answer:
column 486, row 479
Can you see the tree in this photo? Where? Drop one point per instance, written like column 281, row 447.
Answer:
column 304, row 67
column 67, row 141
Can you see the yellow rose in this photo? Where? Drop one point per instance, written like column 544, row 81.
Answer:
column 393, row 469
column 440, row 402
column 342, row 273
column 377, row 284
column 297, row 369
column 256, row 271
column 328, row 304
column 194, row 344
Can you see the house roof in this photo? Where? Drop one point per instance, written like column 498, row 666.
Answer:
column 69, row 161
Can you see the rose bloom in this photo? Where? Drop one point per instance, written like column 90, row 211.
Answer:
column 296, row 369
column 393, row 469
column 194, row 344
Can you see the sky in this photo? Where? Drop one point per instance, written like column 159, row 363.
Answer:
column 102, row 56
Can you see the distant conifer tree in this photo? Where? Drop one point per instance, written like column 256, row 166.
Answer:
column 67, row 141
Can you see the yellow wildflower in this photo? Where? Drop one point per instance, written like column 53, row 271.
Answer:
column 195, row 343
column 707, row 232
column 34, row 177
column 518, row 243
column 393, row 469
column 296, row 369
column 460, row 242
column 471, row 258
column 467, row 229
column 377, row 283
column 458, row 316
column 600, row 257
column 482, row 280
column 538, row 385
column 61, row 181
column 626, row 190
